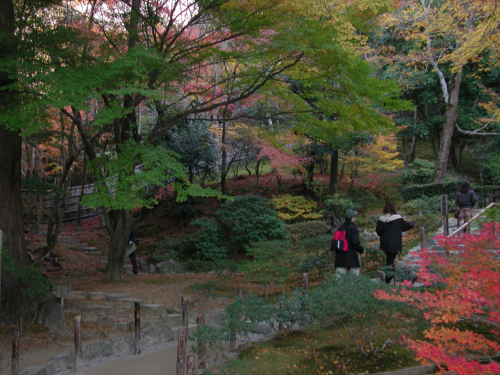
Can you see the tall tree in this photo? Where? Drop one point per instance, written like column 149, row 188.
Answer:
column 447, row 35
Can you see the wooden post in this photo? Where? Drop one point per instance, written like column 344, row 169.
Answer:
column 422, row 237
column 444, row 212
column 15, row 350
column 280, row 324
column 138, row 348
column 1, row 239
column 181, row 351
column 77, row 325
column 240, row 294
column 184, row 307
column 202, row 354
column 305, row 277
column 191, row 365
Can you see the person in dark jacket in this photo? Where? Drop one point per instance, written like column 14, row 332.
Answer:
column 390, row 227
column 349, row 259
column 130, row 251
column 465, row 199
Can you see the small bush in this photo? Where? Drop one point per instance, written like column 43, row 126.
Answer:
column 249, row 219
column 268, row 250
column 418, row 172
column 315, row 244
column 206, row 240
column 295, row 208
column 300, row 231
column 321, row 263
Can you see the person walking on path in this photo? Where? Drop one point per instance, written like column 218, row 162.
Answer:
column 390, row 227
column 465, row 199
column 130, row 252
column 349, row 259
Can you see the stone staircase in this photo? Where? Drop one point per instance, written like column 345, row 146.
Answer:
column 100, row 256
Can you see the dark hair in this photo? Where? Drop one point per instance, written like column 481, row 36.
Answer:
column 464, row 187
column 390, row 208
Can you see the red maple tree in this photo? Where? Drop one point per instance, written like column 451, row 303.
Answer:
column 464, row 311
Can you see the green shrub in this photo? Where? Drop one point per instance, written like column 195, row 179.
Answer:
column 418, row 172
column 347, row 302
column 430, row 205
column 268, row 250
column 344, row 202
column 315, row 244
column 295, row 208
column 307, row 229
column 206, row 240
column 33, row 284
column 249, row 219
column 429, row 190
column 321, row 263
column 165, row 249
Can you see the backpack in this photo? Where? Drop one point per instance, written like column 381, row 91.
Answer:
column 339, row 243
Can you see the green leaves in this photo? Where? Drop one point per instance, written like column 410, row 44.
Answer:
column 129, row 172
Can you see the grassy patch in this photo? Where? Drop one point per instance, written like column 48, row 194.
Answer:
column 316, row 352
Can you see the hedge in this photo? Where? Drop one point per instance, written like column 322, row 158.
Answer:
column 411, row 192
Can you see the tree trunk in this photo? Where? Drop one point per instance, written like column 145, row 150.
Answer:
column 453, row 156
column 334, row 170
column 224, row 169
column 450, row 116
column 37, row 172
column 310, row 171
column 434, row 148
column 403, row 149
column 413, row 149
column 461, row 150
column 15, row 304
column 79, row 208
column 257, row 174
column 121, row 224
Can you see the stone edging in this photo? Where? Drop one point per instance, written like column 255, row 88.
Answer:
column 156, row 333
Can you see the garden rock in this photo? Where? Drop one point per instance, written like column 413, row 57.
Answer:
column 170, row 267
column 370, row 236
column 51, row 316
column 262, row 328
column 143, row 265
column 379, row 275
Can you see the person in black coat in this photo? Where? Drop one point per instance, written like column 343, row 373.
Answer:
column 465, row 199
column 130, row 251
column 349, row 259
column 390, row 227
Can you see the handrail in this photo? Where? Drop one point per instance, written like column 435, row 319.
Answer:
column 467, row 223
